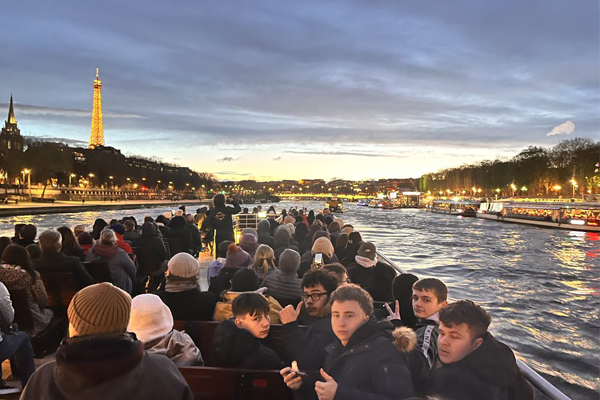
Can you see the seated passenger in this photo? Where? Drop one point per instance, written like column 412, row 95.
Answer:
column 119, row 230
column 362, row 270
column 26, row 236
column 244, row 281
column 402, row 291
column 100, row 360
column 182, row 291
column 34, row 250
column 69, row 243
column 339, row 271
column 122, row 269
column 264, row 235
column 381, row 287
column 282, row 241
column 237, row 341
column 215, row 267
column 362, row 363
column 285, row 284
column 157, row 262
column 130, row 233
column 85, row 241
column 307, row 347
column 429, row 297
column 472, row 364
column 52, row 260
column 321, row 245
column 264, row 262
column 13, row 344
column 17, row 273
column 236, row 259
column 249, row 242
column 152, row 322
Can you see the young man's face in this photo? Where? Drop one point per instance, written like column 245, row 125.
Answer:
column 455, row 343
column 346, row 318
column 258, row 325
column 425, row 303
column 315, row 300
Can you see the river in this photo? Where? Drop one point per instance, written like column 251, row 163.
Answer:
column 540, row 285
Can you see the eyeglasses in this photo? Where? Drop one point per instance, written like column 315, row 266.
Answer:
column 313, row 296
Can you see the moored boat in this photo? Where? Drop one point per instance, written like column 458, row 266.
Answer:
column 572, row 216
column 335, row 205
column 466, row 208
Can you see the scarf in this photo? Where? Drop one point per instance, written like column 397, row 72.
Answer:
column 365, row 262
column 177, row 284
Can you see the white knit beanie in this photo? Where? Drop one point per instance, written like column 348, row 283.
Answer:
column 150, row 317
column 183, row 265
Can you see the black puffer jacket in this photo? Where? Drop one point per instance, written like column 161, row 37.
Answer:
column 368, row 368
column 490, row 372
column 237, row 348
column 307, row 346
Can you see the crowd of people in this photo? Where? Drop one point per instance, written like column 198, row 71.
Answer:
column 352, row 328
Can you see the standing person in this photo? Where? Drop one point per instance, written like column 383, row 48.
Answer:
column 220, row 218
column 13, row 343
column 362, row 364
column 17, row 273
column 101, row 360
column 122, row 269
column 472, row 364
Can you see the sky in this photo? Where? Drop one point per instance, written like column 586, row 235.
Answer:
column 307, row 89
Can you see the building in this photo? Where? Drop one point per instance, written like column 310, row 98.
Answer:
column 97, row 134
column 10, row 137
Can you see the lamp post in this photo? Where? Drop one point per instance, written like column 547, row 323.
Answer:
column 71, row 176
column 574, row 184
column 90, row 175
column 513, row 187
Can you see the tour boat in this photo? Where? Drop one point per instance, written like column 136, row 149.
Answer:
column 465, row 208
column 572, row 216
column 335, row 205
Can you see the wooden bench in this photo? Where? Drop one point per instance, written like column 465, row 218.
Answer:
column 211, row 383
column 202, row 333
column 60, row 287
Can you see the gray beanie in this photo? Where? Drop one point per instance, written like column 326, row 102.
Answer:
column 289, row 261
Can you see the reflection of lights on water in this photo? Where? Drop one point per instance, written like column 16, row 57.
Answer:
column 580, row 288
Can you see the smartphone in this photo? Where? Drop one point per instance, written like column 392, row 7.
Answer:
column 319, row 258
column 299, row 373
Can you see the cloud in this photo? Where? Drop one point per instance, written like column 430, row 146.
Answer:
column 228, row 159
column 71, row 142
column 342, row 153
column 31, row 109
column 566, row 128
column 277, row 158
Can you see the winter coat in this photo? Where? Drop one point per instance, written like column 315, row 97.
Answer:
column 156, row 244
column 176, row 346
column 368, row 368
column 307, row 259
column 58, row 262
column 284, row 287
column 74, row 251
column 362, row 276
column 131, row 236
column 220, row 219
column 189, row 305
column 183, row 235
column 102, row 367
column 422, row 357
column 223, row 309
column 264, row 236
column 307, row 346
column 7, row 312
column 16, row 278
column 222, row 281
column 237, row 348
column 490, row 372
column 122, row 270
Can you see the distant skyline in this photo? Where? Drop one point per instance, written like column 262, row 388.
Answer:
column 290, row 90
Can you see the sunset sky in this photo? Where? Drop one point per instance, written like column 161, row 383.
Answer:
column 307, row 89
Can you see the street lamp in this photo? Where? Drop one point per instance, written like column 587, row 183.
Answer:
column 91, row 176
column 513, row 188
column 27, row 172
column 70, row 177
column 575, row 185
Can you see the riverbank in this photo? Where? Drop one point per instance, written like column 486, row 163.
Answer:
column 59, row 207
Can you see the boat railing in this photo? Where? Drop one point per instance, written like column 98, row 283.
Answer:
column 535, row 379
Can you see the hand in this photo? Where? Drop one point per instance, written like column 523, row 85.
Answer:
column 292, row 380
column 393, row 315
column 289, row 313
column 326, row 390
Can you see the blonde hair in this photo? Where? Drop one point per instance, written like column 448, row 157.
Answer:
column 264, row 259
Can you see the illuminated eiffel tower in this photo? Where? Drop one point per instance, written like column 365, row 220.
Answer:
column 97, row 135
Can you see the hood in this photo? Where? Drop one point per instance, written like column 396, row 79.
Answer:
column 492, row 361
column 177, row 346
column 370, row 329
column 89, row 361
column 105, row 250
column 263, row 227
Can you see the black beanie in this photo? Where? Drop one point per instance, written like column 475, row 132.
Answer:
column 245, row 280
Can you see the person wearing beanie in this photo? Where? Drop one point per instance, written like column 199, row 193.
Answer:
column 236, row 259
column 215, row 267
column 122, row 270
column 101, row 360
column 244, row 281
column 264, row 235
column 86, row 241
column 282, row 241
column 361, row 271
column 150, row 240
column 402, row 292
column 264, row 262
column 182, row 290
column 381, row 286
column 321, row 245
column 220, row 218
column 284, row 285
column 152, row 322
column 334, row 231
column 249, row 243
column 119, row 230
column 340, row 246
column 354, row 242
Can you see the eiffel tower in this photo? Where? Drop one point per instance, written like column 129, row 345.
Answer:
column 97, row 135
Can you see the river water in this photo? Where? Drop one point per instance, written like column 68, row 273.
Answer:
column 540, row 285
